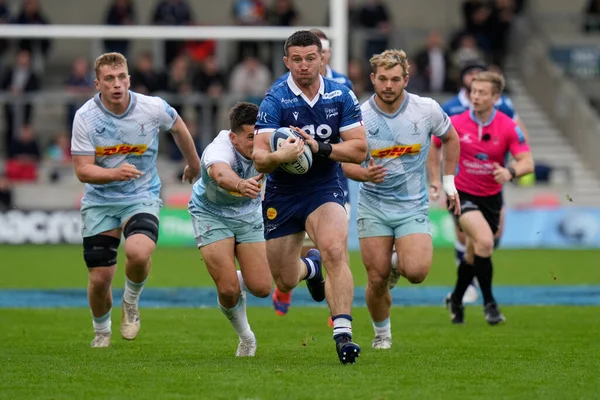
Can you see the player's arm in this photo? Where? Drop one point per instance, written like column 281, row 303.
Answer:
column 434, row 161
column 226, row 178
column 521, row 152
column 185, row 143
column 266, row 161
column 88, row 172
column 521, row 125
column 441, row 126
column 372, row 173
column 84, row 159
column 267, row 122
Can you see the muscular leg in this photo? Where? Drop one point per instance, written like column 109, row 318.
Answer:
column 286, row 266
column 328, row 227
column 141, row 232
column 220, row 262
column 376, row 252
column 415, row 254
column 100, row 255
column 255, row 267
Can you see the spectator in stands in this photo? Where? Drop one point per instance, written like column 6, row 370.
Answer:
column 281, row 13
column 358, row 77
column 210, row 81
column 173, row 13
column 79, row 84
column 374, row 16
column 477, row 16
column 249, row 13
column 250, row 80
column 59, row 155
column 4, row 19
column 591, row 23
column 24, row 157
column 31, row 14
column 121, row 12
column 20, row 79
column 503, row 14
column 145, row 78
column 178, row 84
column 433, row 64
column 6, row 202
column 466, row 53
column 417, row 82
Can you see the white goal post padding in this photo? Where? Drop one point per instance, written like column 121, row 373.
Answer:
column 337, row 32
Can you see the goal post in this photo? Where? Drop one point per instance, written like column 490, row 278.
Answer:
column 337, row 32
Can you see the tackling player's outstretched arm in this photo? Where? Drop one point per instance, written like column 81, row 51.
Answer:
column 227, row 179
column 185, row 142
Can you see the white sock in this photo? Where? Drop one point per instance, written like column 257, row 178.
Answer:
column 102, row 324
column 243, row 287
column 342, row 325
column 132, row 291
column 239, row 320
column 383, row 328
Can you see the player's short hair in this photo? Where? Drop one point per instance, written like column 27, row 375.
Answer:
column 243, row 113
column 389, row 59
column 112, row 59
column 494, row 78
column 302, row 39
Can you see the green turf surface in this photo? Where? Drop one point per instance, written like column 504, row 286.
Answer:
column 541, row 353
column 63, row 267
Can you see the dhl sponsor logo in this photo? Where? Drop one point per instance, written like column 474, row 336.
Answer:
column 137, row 149
column 397, row 151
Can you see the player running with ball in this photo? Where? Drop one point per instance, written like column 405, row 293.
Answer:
column 486, row 136
column 327, row 115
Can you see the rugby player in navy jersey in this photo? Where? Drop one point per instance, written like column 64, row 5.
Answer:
column 327, row 115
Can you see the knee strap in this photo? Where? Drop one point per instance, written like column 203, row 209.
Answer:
column 100, row 251
column 144, row 223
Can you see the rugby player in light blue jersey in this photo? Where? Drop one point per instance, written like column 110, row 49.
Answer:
column 327, row 115
column 114, row 147
column 228, row 224
column 393, row 200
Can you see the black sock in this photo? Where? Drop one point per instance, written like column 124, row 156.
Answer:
column 466, row 273
column 483, row 272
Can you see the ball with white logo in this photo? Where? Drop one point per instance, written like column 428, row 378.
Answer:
column 303, row 163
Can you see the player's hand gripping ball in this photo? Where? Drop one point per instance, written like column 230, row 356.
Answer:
column 302, row 164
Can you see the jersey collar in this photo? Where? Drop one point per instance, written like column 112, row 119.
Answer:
column 328, row 72
column 296, row 90
column 130, row 108
column 463, row 98
column 482, row 124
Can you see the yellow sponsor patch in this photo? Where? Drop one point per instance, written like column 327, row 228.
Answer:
column 137, row 149
column 271, row 213
column 397, row 151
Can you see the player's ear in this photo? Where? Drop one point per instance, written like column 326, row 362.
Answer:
column 285, row 61
column 372, row 76
column 97, row 84
column 406, row 79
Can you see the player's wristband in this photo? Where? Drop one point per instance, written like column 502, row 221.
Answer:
column 512, row 172
column 448, row 185
column 325, row 149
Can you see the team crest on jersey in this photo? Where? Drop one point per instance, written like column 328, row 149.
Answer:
column 330, row 112
column 136, row 149
column 397, row 151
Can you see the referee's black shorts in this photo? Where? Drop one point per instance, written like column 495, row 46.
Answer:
column 490, row 207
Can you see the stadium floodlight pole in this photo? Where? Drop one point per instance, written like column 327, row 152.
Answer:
column 338, row 20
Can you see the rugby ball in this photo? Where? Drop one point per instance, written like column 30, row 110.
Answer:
column 303, row 163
